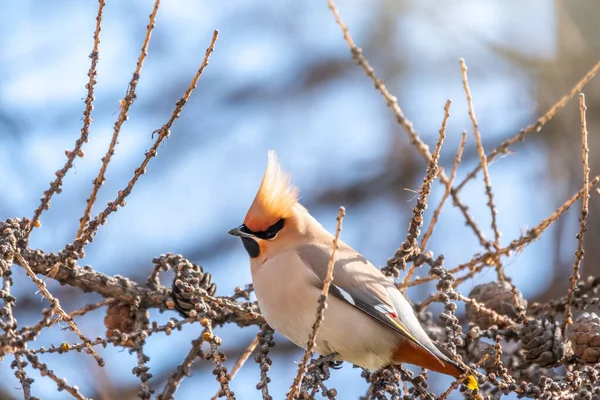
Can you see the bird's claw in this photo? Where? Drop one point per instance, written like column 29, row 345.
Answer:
column 323, row 363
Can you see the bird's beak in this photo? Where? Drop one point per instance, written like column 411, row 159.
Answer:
column 239, row 231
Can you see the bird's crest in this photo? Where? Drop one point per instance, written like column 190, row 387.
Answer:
column 275, row 199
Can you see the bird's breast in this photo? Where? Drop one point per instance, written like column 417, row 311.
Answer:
column 287, row 297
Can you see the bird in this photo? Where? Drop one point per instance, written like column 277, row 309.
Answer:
column 367, row 322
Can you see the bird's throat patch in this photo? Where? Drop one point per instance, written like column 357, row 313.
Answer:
column 251, row 247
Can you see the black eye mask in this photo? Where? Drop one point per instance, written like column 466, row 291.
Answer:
column 271, row 232
column 251, row 245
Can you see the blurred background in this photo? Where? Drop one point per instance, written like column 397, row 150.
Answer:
column 282, row 78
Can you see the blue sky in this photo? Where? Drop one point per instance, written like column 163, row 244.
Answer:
column 328, row 135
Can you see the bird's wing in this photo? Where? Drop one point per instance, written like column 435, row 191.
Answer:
column 357, row 282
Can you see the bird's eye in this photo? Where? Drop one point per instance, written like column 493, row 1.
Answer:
column 273, row 230
column 270, row 234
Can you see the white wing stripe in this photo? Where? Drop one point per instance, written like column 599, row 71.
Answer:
column 345, row 295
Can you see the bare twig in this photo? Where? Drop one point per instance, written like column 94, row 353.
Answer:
column 410, row 245
column 455, row 384
column 87, row 235
column 61, row 383
column 584, row 213
column 8, row 322
column 122, row 289
column 498, row 360
column 30, row 332
column 414, row 137
column 530, row 236
column 240, row 362
column 480, row 261
column 481, row 308
column 127, row 101
column 21, row 374
column 116, row 340
column 56, row 305
column 320, row 309
column 438, row 210
column 142, row 368
column 218, row 358
column 543, row 120
column 486, row 174
column 265, row 340
column 182, row 370
column 55, row 186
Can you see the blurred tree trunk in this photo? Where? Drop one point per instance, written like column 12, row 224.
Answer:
column 577, row 50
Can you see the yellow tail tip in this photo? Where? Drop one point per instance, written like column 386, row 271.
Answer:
column 471, row 382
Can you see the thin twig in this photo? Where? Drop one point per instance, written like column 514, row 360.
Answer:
column 483, row 159
column 125, row 104
column 8, row 322
column 455, row 384
column 530, row 236
column 498, row 361
column 30, row 332
column 543, row 120
column 182, row 370
column 240, row 363
column 218, row 358
column 322, row 304
column 265, row 340
column 61, row 383
column 56, row 305
column 116, row 340
column 55, row 186
column 122, row 289
column 481, row 308
column 584, row 213
column 163, row 133
column 411, row 245
column 21, row 374
column 406, row 124
column 480, row 261
column 438, row 210
column 142, row 368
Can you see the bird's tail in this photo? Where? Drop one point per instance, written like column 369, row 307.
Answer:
column 469, row 380
column 441, row 361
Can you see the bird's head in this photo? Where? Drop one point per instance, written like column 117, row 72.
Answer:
column 272, row 217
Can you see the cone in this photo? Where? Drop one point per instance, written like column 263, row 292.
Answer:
column 189, row 278
column 496, row 296
column 585, row 338
column 543, row 342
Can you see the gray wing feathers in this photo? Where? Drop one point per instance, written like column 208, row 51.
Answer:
column 351, row 270
column 359, row 283
column 410, row 321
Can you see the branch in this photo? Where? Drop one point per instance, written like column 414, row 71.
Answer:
column 410, row 245
column 75, row 250
column 322, row 305
column 414, row 137
column 543, row 120
column 56, row 306
column 438, row 210
column 127, row 101
column 584, row 213
column 483, row 158
column 55, row 186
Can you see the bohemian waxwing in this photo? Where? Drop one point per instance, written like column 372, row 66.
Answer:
column 367, row 321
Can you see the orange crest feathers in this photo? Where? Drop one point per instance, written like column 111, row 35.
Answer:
column 275, row 198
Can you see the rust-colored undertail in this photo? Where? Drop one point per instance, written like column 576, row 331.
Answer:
column 412, row 353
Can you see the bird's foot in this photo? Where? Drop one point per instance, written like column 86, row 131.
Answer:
column 324, row 363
